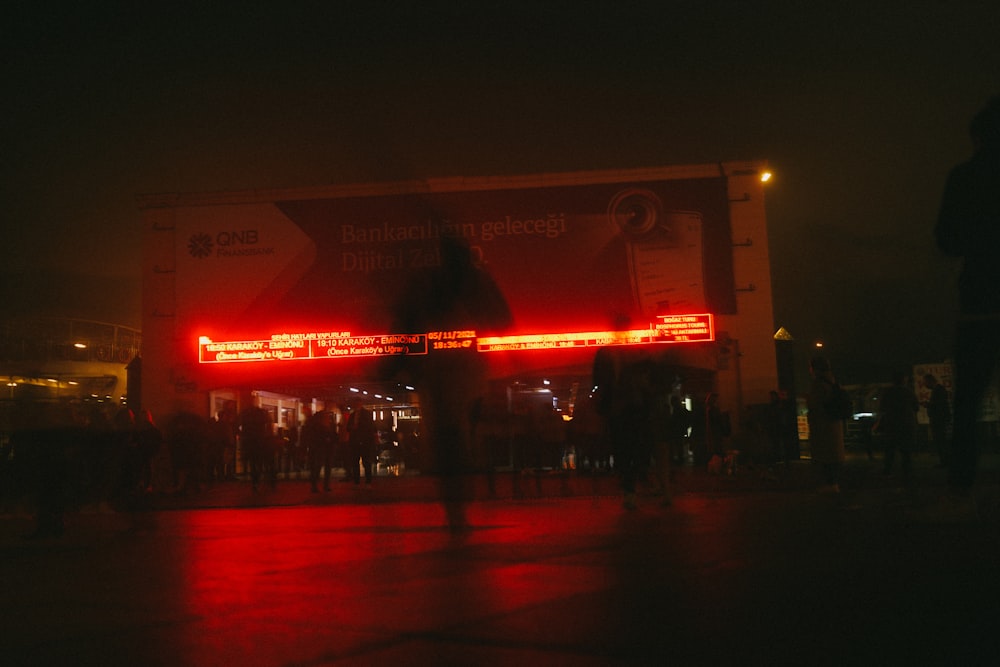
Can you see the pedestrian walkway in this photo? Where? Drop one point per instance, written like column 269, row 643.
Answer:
column 861, row 477
column 551, row 570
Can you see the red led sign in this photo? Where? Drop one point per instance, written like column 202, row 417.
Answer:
column 669, row 329
column 291, row 347
column 683, row 328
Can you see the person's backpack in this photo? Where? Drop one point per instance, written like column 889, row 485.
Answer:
column 839, row 404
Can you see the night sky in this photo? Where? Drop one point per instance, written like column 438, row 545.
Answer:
column 860, row 108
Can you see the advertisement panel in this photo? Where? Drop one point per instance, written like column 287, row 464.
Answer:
column 565, row 259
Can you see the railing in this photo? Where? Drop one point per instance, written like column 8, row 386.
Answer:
column 65, row 339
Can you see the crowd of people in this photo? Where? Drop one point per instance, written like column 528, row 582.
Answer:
column 650, row 431
column 73, row 455
column 62, row 456
column 207, row 451
column 648, row 426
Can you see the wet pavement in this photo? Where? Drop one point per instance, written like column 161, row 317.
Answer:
column 756, row 568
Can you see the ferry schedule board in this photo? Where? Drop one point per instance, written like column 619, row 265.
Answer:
column 668, row 329
column 694, row 328
column 297, row 347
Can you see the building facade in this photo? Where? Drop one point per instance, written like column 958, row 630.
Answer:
column 304, row 297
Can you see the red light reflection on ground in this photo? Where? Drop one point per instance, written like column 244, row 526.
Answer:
column 261, row 578
column 252, row 574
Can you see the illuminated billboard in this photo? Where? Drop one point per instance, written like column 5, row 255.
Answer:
column 300, row 289
column 594, row 257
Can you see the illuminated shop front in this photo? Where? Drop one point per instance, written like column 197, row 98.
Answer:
column 300, row 296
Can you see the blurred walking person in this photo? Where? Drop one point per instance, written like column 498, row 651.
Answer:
column 361, row 441
column 317, row 438
column 99, row 460
column 128, row 466
column 939, row 416
column 220, row 432
column 623, row 383
column 342, row 448
column 149, row 440
column 254, row 433
column 897, row 425
column 717, row 427
column 678, row 427
column 458, row 294
column 826, row 431
column 44, row 438
column 670, row 424
column 185, row 435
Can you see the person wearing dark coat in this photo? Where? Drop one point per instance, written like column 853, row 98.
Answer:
column 255, row 432
column 968, row 227
column 361, row 442
column 317, row 438
column 897, row 425
column 939, row 416
column 826, row 432
column 623, row 381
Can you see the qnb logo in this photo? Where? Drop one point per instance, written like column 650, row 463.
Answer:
column 200, row 245
column 239, row 243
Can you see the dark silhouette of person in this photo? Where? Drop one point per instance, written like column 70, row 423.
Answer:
column 149, row 440
column 586, row 434
column 127, row 462
column 623, row 381
column 185, row 433
column 897, row 425
column 789, row 426
column 939, row 416
column 670, row 421
column 826, row 431
column 143, row 442
column 697, row 435
column 227, row 431
column 255, row 432
column 774, row 428
column 678, row 427
column 342, row 447
column 968, row 226
column 44, row 438
column 220, row 431
column 362, row 436
column 317, row 438
column 99, row 458
column 457, row 294
column 717, row 426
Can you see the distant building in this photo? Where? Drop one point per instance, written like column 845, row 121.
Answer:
column 51, row 358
